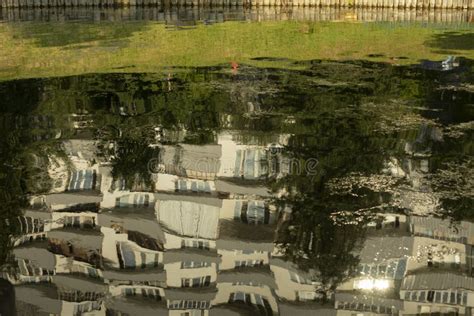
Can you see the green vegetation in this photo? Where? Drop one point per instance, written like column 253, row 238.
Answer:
column 49, row 49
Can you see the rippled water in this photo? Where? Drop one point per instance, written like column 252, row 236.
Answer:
column 272, row 185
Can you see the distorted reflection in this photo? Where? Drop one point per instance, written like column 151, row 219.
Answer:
column 204, row 191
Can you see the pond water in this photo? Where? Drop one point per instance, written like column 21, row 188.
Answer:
column 143, row 174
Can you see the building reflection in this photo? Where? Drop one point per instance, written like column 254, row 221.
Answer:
column 183, row 227
column 200, row 241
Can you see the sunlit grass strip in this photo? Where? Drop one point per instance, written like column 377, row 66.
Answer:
column 55, row 49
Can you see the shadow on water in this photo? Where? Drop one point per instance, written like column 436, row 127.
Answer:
column 7, row 295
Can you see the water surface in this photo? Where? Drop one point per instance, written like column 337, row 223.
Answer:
column 245, row 182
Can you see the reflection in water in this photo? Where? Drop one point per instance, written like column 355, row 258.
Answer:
column 256, row 191
column 187, row 16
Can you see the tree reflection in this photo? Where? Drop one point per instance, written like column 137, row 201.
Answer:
column 319, row 242
column 326, row 228
column 12, row 193
column 131, row 163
